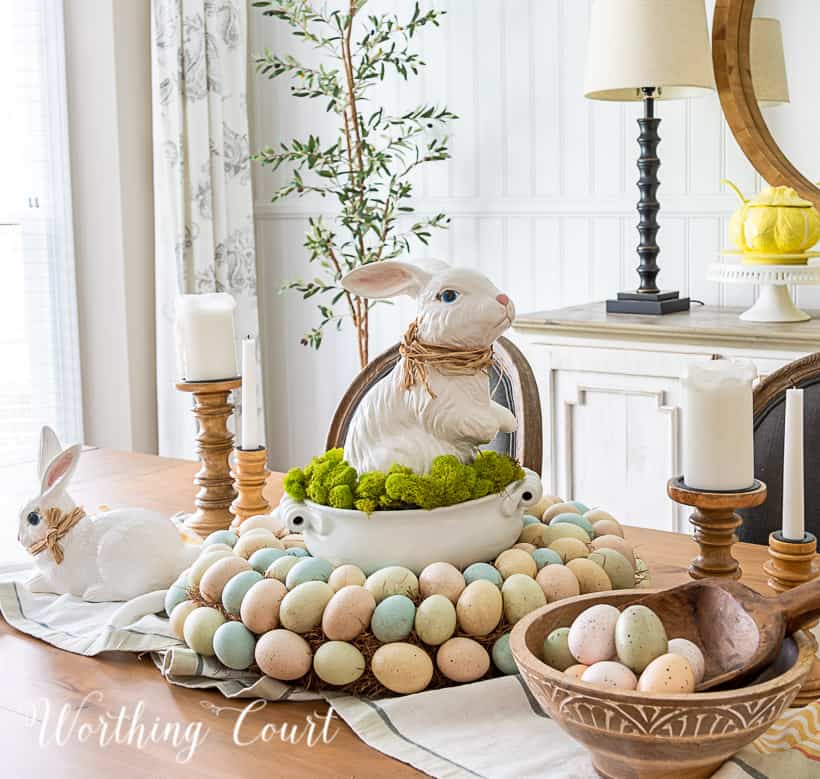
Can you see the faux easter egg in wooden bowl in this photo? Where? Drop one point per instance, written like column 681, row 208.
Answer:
column 636, row 735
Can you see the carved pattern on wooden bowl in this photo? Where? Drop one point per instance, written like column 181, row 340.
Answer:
column 672, row 720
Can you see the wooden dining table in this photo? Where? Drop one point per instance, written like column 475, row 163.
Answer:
column 33, row 672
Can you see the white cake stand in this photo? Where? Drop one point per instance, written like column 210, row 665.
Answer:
column 774, row 303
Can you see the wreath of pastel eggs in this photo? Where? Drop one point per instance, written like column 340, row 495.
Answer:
column 255, row 604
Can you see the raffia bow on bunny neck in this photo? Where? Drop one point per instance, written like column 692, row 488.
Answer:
column 59, row 523
column 448, row 360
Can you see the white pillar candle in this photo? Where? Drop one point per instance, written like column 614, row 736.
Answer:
column 250, row 437
column 206, row 344
column 718, row 445
column 793, row 492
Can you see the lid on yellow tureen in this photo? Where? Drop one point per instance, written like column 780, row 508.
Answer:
column 780, row 197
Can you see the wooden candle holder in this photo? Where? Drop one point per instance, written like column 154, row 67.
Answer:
column 790, row 564
column 715, row 524
column 214, row 446
column 250, row 474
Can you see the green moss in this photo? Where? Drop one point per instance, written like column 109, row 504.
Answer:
column 330, row 480
column 294, row 483
column 499, row 469
column 341, row 497
column 369, row 490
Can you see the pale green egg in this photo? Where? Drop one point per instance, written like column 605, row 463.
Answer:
column 302, row 608
column 393, row 619
column 502, row 655
column 435, row 619
column 521, row 595
column 205, row 560
column 582, row 507
column 640, row 637
column 236, row 589
column 308, row 569
column 545, row 556
column 176, row 593
column 234, row 645
column 214, row 548
column 221, row 537
column 616, row 566
column 392, row 580
column 482, row 571
column 298, row 551
column 263, row 558
column 575, row 519
column 338, row 663
column 552, row 533
column 528, row 519
column 279, row 568
column 556, row 650
column 199, row 629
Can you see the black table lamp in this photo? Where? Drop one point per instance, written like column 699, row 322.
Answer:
column 648, row 50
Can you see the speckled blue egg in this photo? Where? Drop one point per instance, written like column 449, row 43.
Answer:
column 310, row 569
column 236, row 589
column 575, row 519
column 502, row 656
column 221, row 537
column 234, row 645
column 176, row 593
column 582, row 507
column 261, row 559
column 393, row 619
column 546, row 556
column 482, row 571
column 298, row 551
column 527, row 519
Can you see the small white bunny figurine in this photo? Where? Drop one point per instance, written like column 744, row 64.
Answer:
column 458, row 309
column 113, row 556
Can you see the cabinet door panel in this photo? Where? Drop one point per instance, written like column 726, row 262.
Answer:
column 618, row 444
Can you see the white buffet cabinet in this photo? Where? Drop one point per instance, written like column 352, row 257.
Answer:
column 611, row 396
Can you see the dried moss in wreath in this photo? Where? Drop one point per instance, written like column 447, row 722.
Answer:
column 331, row 481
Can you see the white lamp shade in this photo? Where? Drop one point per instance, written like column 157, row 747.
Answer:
column 768, row 62
column 648, row 43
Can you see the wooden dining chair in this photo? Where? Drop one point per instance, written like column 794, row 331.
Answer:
column 514, row 388
column 769, row 425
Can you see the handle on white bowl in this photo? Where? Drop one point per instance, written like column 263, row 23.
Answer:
column 299, row 517
column 522, row 494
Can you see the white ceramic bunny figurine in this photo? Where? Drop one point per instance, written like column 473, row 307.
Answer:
column 460, row 310
column 112, row 556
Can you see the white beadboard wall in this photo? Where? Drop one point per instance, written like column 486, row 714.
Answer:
column 541, row 190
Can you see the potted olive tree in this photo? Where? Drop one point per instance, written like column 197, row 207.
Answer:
column 364, row 169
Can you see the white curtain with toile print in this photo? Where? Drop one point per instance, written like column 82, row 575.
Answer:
column 202, row 181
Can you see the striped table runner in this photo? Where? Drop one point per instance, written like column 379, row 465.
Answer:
column 492, row 729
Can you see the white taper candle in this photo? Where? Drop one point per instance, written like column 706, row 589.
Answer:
column 793, row 487
column 250, row 438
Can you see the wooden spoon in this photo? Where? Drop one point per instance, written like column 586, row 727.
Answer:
column 738, row 630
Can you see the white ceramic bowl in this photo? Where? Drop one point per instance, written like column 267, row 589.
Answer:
column 466, row 533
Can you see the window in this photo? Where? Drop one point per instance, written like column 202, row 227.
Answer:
column 39, row 352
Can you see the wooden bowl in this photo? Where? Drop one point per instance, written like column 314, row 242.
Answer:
column 632, row 735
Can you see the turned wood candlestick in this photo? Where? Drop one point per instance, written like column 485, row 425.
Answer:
column 715, row 524
column 214, row 446
column 250, row 474
column 790, row 564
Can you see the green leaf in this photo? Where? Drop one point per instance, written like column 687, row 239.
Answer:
column 366, row 178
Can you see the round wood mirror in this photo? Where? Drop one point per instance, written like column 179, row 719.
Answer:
column 731, row 56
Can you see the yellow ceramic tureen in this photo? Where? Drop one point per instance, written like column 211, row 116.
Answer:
column 776, row 227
